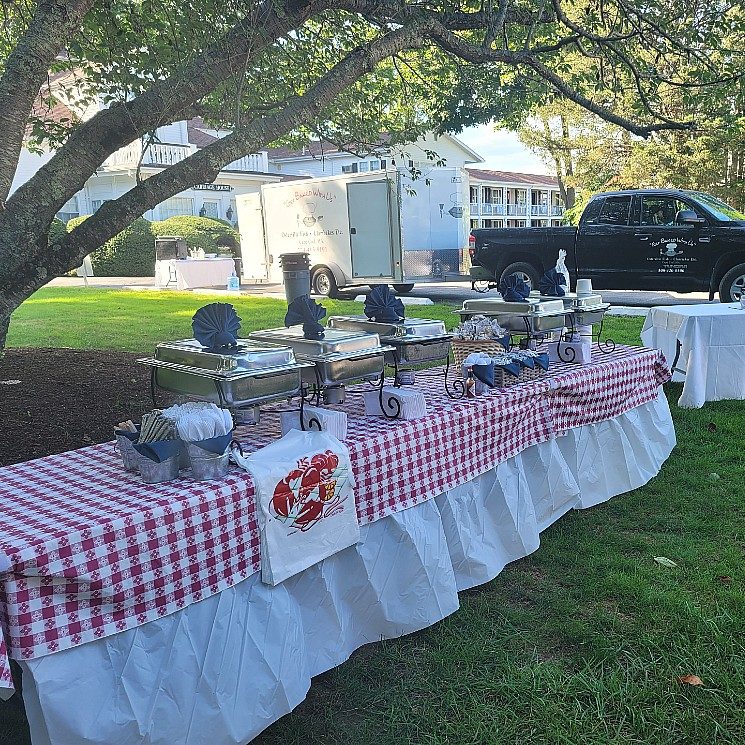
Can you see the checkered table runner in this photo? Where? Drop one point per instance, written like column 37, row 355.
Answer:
column 93, row 551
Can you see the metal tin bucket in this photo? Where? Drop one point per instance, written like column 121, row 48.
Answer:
column 128, row 453
column 156, row 473
column 207, row 466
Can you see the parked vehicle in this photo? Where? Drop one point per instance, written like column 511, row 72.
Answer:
column 382, row 227
column 642, row 239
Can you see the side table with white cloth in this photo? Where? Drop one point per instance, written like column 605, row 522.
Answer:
column 706, row 343
column 137, row 612
column 190, row 274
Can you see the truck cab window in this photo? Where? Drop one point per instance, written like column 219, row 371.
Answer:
column 615, row 211
column 661, row 210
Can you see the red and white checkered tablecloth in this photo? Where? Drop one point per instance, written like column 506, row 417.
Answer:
column 93, row 551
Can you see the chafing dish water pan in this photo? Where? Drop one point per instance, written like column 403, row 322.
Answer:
column 242, row 377
column 339, row 356
column 536, row 316
column 414, row 340
column 587, row 310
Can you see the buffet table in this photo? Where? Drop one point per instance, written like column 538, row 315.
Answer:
column 191, row 274
column 707, row 343
column 137, row 613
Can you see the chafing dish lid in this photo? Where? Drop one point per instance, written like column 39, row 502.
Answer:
column 335, row 341
column 247, row 356
column 497, row 306
column 408, row 328
column 572, row 299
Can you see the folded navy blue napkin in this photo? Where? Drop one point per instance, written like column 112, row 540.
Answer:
column 514, row 289
column 158, row 451
column 542, row 360
column 306, row 311
column 552, row 283
column 383, row 306
column 216, row 445
column 216, row 326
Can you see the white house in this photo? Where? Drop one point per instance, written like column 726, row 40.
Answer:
column 324, row 159
column 118, row 173
column 503, row 199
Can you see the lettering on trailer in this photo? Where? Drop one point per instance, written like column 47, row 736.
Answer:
column 309, row 191
column 670, row 255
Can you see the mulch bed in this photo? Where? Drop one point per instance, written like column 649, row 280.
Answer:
column 66, row 399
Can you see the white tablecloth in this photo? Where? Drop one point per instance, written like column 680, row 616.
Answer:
column 712, row 339
column 194, row 273
column 223, row 669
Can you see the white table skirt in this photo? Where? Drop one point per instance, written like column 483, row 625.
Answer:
column 223, row 669
column 712, row 341
column 194, row 273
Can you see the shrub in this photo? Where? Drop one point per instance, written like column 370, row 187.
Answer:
column 131, row 253
column 199, row 232
column 56, row 230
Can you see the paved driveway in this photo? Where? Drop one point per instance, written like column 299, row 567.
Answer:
column 440, row 292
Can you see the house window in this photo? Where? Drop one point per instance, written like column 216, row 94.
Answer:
column 176, row 206
column 96, row 205
column 352, row 168
column 210, row 209
column 374, row 165
column 363, row 166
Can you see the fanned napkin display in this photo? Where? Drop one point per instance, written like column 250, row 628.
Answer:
column 552, row 283
column 216, row 326
column 514, row 289
column 306, row 311
column 383, row 306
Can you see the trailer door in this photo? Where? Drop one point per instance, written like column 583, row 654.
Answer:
column 254, row 264
column 369, row 205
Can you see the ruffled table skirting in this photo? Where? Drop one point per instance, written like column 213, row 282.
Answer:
column 225, row 668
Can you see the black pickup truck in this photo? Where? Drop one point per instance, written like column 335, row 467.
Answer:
column 642, row 239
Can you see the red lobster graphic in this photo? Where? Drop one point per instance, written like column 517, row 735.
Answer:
column 304, row 492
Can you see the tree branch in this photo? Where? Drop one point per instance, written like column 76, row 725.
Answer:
column 25, row 72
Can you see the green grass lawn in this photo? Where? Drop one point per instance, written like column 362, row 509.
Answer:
column 88, row 318
column 581, row 643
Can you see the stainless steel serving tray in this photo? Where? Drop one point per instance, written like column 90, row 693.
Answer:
column 590, row 314
column 247, row 356
column 251, row 375
column 535, row 315
column 415, row 340
column 571, row 299
column 339, row 357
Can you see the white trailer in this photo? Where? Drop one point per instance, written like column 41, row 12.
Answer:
column 383, row 227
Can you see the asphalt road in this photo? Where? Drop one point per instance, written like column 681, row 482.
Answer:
column 447, row 292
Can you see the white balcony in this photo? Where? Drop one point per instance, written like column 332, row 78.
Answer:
column 557, row 210
column 539, row 209
column 167, row 154
column 517, row 209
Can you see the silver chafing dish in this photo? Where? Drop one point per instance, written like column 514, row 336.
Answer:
column 340, row 357
column 585, row 309
column 414, row 340
column 535, row 316
column 250, row 374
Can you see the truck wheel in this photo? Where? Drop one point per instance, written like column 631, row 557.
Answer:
column 324, row 283
column 403, row 289
column 732, row 284
column 526, row 271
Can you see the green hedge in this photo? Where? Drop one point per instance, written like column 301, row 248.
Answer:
column 129, row 254
column 199, row 232
column 56, row 230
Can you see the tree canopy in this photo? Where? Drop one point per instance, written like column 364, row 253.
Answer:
column 286, row 70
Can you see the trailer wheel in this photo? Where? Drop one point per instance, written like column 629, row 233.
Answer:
column 732, row 284
column 403, row 289
column 324, row 283
column 528, row 273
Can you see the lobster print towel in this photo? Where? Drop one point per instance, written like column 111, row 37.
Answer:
column 305, row 501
